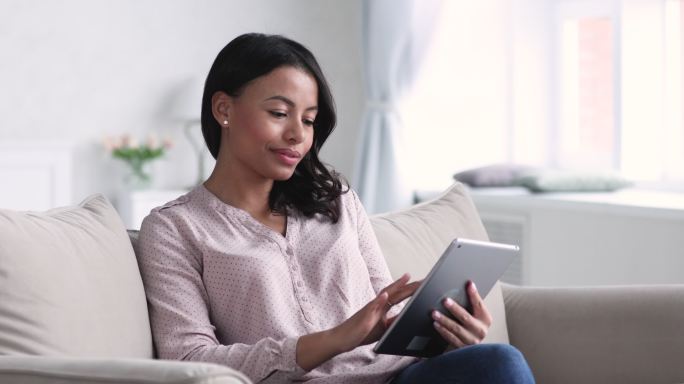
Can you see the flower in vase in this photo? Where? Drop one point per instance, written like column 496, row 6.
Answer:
column 137, row 154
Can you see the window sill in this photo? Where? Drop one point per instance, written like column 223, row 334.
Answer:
column 629, row 201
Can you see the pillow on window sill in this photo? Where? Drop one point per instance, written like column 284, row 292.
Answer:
column 572, row 181
column 496, row 175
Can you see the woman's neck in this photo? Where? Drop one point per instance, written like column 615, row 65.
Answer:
column 240, row 190
column 250, row 197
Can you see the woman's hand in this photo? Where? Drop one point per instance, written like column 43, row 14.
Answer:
column 370, row 322
column 364, row 327
column 467, row 329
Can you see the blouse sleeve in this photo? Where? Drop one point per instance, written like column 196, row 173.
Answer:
column 370, row 249
column 179, row 309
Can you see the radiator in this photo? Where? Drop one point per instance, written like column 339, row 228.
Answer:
column 509, row 229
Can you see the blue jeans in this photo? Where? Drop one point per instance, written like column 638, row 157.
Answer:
column 482, row 363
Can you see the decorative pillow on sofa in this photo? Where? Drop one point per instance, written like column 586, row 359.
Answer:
column 70, row 284
column 413, row 239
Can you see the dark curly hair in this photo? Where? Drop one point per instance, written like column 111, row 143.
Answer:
column 313, row 188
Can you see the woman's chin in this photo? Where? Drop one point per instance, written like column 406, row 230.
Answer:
column 282, row 176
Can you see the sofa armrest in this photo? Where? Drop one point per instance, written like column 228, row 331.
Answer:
column 62, row 370
column 630, row 334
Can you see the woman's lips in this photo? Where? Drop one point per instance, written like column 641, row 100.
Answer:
column 287, row 156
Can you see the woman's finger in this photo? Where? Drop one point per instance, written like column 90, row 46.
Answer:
column 449, row 336
column 402, row 280
column 366, row 325
column 402, row 293
column 455, row 329
column 390, row 320
column 381, row 302
column 372, row 312
column 480, row 311
column 474, row 325
column 396, row 287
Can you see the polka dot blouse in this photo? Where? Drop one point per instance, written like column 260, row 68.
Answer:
column 224, row 288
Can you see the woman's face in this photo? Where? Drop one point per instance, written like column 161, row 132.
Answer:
column 270, row 124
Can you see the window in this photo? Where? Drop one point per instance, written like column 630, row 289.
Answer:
column 618, row 79
column 674, row 90
column 587, row 123
column 580, row 84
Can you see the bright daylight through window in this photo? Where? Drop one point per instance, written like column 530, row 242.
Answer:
column 574, row 84
column 621, row 89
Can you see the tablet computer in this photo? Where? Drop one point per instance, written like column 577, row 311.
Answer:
column 412, row 333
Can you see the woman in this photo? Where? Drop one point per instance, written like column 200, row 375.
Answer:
column 271, row 266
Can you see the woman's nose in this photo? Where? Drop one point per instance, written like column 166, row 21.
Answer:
column 295, row 132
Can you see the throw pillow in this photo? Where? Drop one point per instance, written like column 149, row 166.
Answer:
column 70, row 285
column 413, row 239
column 573, row 181
column 496, row 175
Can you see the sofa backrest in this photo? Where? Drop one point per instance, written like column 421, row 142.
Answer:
column 69, row 283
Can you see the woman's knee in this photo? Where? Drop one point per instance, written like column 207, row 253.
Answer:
column 507, row 361
column 503, row 352
column 482, row 363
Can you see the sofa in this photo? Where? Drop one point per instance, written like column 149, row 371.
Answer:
column 73, row 309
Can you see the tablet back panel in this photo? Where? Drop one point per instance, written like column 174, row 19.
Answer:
column 413, row 334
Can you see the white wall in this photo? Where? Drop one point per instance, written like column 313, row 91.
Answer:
column 83, row 69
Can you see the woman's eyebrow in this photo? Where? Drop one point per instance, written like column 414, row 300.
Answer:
column 290, row 102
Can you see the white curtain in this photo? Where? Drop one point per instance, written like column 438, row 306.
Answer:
column 395, row 34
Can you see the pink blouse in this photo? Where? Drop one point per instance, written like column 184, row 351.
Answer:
column 224, row 288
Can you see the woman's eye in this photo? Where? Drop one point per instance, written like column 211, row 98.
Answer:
column 309, row 122
column 278, row 114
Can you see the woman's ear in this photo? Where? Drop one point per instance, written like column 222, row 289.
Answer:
column 220, row 107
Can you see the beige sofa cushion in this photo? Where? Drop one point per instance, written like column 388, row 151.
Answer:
column 70, row 285
column 80, row 370
column 413, row 239
column 603, row 334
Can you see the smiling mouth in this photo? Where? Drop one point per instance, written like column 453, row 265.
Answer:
column 287, row 156
column 288, row 153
